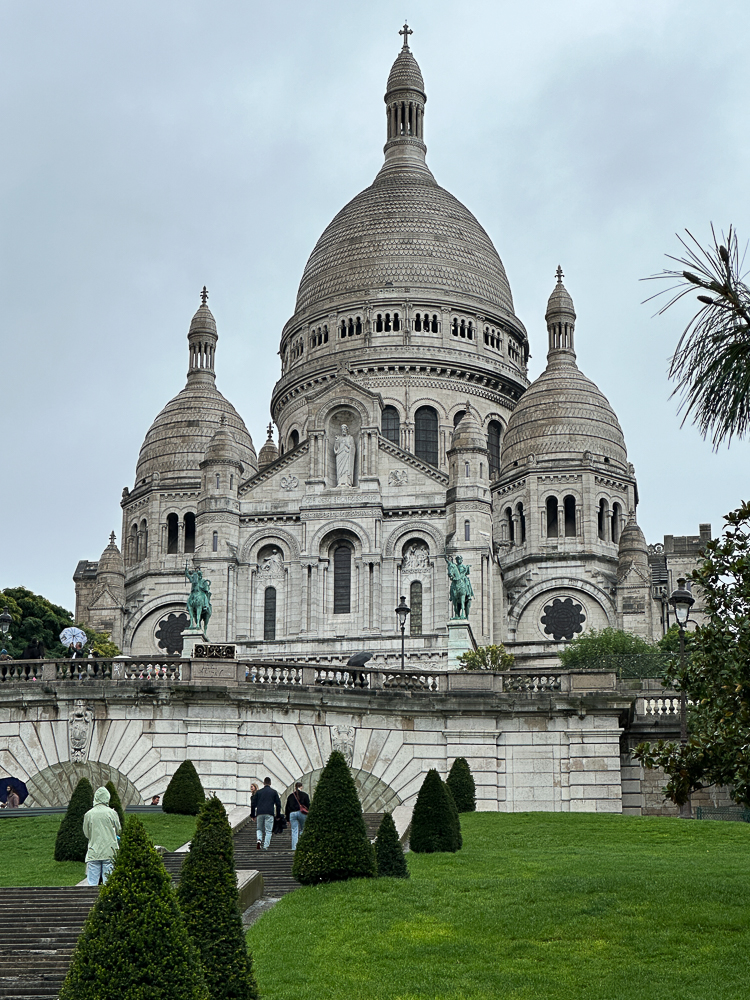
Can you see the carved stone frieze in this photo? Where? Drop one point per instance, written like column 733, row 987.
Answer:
column 79, row 731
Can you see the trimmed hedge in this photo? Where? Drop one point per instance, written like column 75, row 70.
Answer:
column 134, row 942
column 71, row 844
column 209, row 901
column 461, row 782
column 334, row 845
column 433, row 826
column 114, row 802
column 184, row 794
column 388, row 851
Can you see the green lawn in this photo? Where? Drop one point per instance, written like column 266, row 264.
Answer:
column 536, row 905
column 27, row 847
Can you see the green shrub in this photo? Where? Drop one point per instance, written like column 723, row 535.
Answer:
column 454, row 815
column 210, row 905
column 461, row 783
column 134, row 943
column 71, row 845
column 432, row 824
column 114, row 801
column 334, row 844
column 487, row 658
column 184, row 792
column 388, row 851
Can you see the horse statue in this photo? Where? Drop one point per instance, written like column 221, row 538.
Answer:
column 199, row 600
column 461, row 592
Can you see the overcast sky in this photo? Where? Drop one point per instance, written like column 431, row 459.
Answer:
column 149, row 148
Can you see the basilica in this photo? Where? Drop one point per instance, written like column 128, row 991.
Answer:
column 405, row 434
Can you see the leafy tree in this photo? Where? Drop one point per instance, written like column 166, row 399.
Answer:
column 114, row 801
column 460, row 780
column 209, row 901
column 34, row 617
column 453, row 809
column 613, row 649
column 71, row 844
column 334, row 845
column 388, row 851
column 487, row 658
column 134, row 942
column 716, row 676
column 432, row 824
column 712, row 361
column 184, row 792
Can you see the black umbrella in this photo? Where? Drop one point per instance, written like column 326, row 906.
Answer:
column 17, row 785
column 359, row 659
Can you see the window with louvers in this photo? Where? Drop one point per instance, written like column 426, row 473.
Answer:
column 415, row 600
column 426, row 435
column 391, row 424
column 342, row 580
column 269, row 614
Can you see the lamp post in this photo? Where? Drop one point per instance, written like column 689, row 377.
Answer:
column 5, row 623
column 403, row 610
column 682, row 601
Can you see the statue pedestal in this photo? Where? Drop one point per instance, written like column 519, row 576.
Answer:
column 460, row 640
column 190, row 637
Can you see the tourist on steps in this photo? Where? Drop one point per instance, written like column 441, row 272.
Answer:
column 100, row 827
column 297, row 808
column 265, row 804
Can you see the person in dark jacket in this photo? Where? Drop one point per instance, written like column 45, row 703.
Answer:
column 34, row 651
column 264, row 806
column 297, row 807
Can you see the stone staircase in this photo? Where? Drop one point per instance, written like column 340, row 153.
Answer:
column 39, row 927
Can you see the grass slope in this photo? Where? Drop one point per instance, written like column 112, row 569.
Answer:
column 536, row 905
column 27, row 847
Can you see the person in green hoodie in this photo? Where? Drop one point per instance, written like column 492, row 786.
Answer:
column 100, row 827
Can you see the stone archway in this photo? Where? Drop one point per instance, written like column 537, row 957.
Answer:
column 374, row 794
column 54, row 785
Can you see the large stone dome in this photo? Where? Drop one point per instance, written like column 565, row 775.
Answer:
column 405, row 230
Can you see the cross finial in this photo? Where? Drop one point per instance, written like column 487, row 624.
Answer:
column 270, row 431
column 560, row 275
column 112, row 538
column 406, row 31
column 204, row 295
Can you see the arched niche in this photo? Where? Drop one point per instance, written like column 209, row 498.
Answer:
column 55, row 784
column 374, row 794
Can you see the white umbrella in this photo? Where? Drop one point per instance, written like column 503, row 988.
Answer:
column 72, row 635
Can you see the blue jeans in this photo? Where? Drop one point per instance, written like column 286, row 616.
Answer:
column 264, row 829
column 96, row 868
column 297, row 820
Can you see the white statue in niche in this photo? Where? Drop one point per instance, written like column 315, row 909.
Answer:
column 416, row 557
column 345, row 449
column 273, row 564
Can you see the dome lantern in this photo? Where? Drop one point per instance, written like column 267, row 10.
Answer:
column 405, row 99
column 561, row 324
column 202, row 337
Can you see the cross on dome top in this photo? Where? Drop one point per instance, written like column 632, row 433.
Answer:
column 406, row 31
column 560, row 275
column 204, row 295
column 270, row 431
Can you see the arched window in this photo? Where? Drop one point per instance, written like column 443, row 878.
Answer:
column 467, row 531
column 616, row 522
column 601, row 520
column 415, row 601
column 521, row 523
column 467, row 470
column 342, row 580
column 215, row 542
column 379, row 323
column 293, row 439
column 218, row 480
column 426, row 434
column 143, row 546
column 494, row 431
column 190, row 532
column 509, row 527
column 434, row 326
column 172, row 533
column 269, row 614
column 391, row 423
column 134, row 543
column 552, row 530
column 418, row 323
column 569, row 504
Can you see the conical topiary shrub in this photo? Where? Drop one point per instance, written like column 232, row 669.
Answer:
column 71, row 845
column 461, row 782
column 432, row 823
column 114, row 801
column 184, row 792
column 134, row 942
column 388, row 851
column 454, row 814
column 209, row 901
column 334, row 844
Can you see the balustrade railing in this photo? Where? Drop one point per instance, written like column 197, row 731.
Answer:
column 21, row 670
column 661, row 706
column 278, row 674
column 533, row 683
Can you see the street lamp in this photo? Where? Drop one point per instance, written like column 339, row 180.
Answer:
column 682, row 601
column 5, row 623
column 403, row 610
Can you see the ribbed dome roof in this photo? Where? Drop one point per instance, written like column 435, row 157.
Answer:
column 632, row 547
column 223, row 447
column 203, row 321
column 405, row 230
column 111, row 560
column 468, row 432
column 405, row 73
column 176, row 442
column 563, row 414
column 269, row 452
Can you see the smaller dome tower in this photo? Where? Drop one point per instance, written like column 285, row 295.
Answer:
column 269, row 452
column 635, row 608
column 105, row 613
